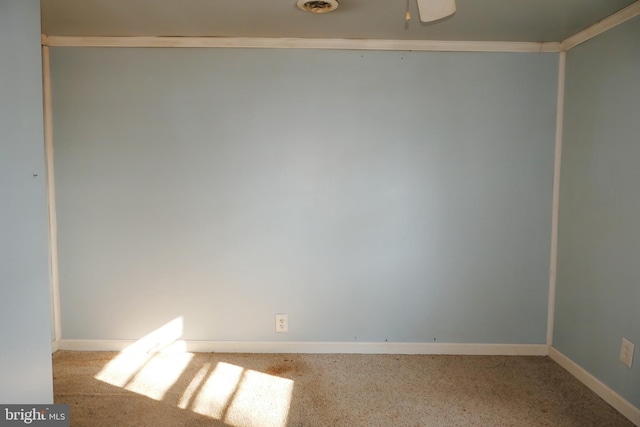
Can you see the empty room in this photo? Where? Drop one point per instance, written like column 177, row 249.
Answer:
column 310, row 213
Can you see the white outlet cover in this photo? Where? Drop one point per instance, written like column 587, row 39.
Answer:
column 626, row 352
column 282, row 322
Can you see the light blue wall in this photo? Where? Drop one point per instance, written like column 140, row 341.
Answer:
column 371, row 195
column 25, row 337
column 598, row 283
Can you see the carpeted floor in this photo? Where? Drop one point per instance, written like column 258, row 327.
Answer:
column 218, row 389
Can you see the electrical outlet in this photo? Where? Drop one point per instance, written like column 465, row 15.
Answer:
column 626, row 352
column 282, row 322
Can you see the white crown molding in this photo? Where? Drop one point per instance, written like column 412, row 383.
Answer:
column 598, row 387
column 600, row 27
column 321, row 347
column 293, row 43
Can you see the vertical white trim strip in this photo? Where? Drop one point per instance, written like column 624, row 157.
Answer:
column 51, row 192
column 553, row 263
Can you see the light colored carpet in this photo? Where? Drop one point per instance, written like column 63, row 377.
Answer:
column 218, row 389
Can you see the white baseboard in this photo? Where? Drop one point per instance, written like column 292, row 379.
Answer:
column 322, row 347
column 598, row 387
column 54, row 346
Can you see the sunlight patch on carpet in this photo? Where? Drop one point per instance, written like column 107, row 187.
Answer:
column 155, row 364
column 243, row 397
column 151, row 365
column 193, row 386
column 159, row 374
column 218, row 389
column 260, row 400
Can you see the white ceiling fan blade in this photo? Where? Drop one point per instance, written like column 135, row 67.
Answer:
column 432, row 10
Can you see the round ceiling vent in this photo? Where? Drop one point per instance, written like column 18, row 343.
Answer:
column 318, row 6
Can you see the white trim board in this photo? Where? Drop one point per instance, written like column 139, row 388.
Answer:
column 600, row 27
column 555, row 207
column 297, row 43
column 51, row 194
column 598, row 387
column 323, row 347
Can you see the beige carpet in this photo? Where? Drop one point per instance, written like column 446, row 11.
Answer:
column 217, row 389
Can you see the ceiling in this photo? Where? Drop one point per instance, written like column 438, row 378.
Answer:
column 475, row 20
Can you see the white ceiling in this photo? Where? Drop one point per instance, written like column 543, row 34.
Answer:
column 480, row 20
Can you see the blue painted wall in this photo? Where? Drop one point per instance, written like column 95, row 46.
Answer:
column 371, row 195
column 598, row 282
column 25, row 327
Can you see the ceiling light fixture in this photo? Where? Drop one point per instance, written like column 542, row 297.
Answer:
column 432, row 10
column 318, row 6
